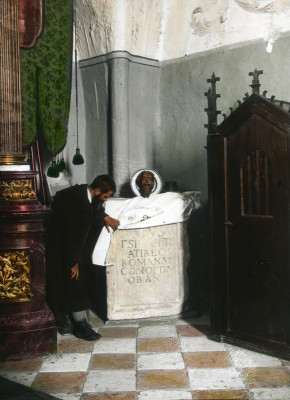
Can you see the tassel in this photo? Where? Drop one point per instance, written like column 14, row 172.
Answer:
column 52, row 171
column 61, row 165
column 78, row 158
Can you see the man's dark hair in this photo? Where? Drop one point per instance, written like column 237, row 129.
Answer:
column 104, row 183
column 139, row 177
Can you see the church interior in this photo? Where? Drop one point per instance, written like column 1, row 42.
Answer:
column 198, row 91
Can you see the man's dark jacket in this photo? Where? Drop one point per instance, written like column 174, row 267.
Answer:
column 72, row 231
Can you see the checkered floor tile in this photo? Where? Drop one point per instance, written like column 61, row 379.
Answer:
column 156, row 359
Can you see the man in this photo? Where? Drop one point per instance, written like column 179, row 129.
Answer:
column 145, row 183
column 73, row 229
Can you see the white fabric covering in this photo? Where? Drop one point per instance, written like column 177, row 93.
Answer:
column 141, row 212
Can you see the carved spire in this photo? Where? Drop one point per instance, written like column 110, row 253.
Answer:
column 255, row 82
column 212, row 106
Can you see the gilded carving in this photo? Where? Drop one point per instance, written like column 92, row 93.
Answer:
column 15, row 276
column 17, row 190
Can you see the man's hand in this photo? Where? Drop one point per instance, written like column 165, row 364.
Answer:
column 75, row 272
column 112, row 222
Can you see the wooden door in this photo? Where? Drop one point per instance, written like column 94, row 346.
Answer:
column 256, row 218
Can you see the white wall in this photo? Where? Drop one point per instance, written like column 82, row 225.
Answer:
column 190, row 39
column 167, row 29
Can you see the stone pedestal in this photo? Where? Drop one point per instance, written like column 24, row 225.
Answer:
column 147, row 277
column 27, row 326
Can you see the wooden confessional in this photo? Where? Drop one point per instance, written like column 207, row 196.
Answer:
column 249, row 195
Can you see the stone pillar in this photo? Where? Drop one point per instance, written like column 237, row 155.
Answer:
column 27, row 326
column 119, row 77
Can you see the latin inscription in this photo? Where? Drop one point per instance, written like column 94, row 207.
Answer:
column 148, row 255
column 147, row 272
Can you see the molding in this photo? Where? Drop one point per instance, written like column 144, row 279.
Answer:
column 105, row 58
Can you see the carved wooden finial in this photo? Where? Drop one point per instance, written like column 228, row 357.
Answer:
column 246, row 96
column 213, row 79
column 211, row 110
column 255, row 82
column 272, row 99
column 264, row 93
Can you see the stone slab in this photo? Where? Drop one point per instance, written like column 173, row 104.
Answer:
column 242, row 358
column 118, row 346
column 56, row 382
column 110, row 381
column 62, row 362
column 157, row 331
column 164, row 395
column 148, row 275
column 266, row 377
column 112, row 361
column 198, row 344
column 160, row 361
column 215, row 379
column 162, row 379
column 280, row 393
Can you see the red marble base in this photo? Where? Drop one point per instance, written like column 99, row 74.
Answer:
column 27, row 326
column 27, row 334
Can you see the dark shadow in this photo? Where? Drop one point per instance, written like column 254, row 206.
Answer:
column 15, row 391
column 194, row 329
column 98, row 291
column 199, row 263
column 126, row 191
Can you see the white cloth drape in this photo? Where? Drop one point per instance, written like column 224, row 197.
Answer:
column 140, row 212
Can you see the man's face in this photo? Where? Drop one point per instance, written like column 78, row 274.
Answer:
column 99, row 197
column 146, row 184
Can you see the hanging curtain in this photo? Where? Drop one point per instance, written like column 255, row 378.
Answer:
column 46, row 78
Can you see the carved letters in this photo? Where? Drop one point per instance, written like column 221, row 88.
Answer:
column 151, row 259
column 147, row 276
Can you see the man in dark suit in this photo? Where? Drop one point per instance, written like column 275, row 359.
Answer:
column 73, row 228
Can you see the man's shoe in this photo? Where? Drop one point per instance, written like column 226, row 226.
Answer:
column 83, row 330
column 64, row 327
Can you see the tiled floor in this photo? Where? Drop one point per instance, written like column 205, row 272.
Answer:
column 169, row 359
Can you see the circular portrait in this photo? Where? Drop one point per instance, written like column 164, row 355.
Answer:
column 146, row 182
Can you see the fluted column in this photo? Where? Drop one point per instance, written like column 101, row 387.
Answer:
column 10, row 90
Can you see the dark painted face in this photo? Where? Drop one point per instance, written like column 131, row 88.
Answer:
column 145, row 184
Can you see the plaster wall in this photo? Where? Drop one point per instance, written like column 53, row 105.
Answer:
column 75, row 173
column 96, row 110
column 168, row 29
column 144, row 111
column 121, row 124
column 182, row 156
